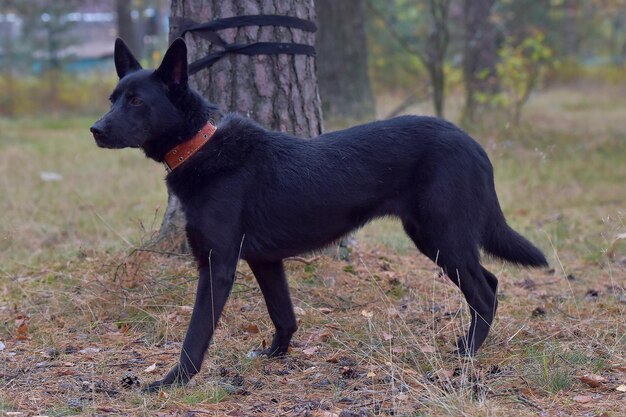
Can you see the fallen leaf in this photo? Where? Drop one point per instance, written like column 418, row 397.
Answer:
column 325, row 310
column 371, row 374
column 299, row 311
column 621, row 388
column 251, row 328
column 150, row 368
column 163, row 395
column 21, row 322
column 324, row 336
column 583, row 399
column 333, row 359
column 65, row 372
column 387, row 336
column 368, row 314
column 310, row 351
column 22, row 332
column 593, row 380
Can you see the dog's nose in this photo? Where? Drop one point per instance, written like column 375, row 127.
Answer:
column 96, row 131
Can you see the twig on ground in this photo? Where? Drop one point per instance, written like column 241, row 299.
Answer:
column 304, row 260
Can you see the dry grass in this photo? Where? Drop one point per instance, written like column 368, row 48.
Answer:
column 80, row 309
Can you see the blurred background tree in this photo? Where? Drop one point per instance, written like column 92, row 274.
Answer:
column 420, row 28
column 126, row 27
column 342, row 62
column 480, row 55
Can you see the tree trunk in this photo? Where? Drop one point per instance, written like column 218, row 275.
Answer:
column 342, row 71
column 571, row 28
column 278, row 91
column 125, row 26
column 436, row 48
column 480, row 54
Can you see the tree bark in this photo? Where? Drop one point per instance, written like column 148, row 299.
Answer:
column 342, row 71
column 480, row 54
column 278, row 91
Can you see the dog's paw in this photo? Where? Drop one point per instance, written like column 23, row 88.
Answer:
column 174, row 377
column 155, row 386
column 267, row 353
column 463, row 348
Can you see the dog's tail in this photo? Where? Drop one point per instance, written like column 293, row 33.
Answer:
column 504, row 242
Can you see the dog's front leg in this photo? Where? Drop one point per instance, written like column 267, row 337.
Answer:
column 214, row 285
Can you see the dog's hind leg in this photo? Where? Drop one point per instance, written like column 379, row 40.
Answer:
column 458, row 256
column 273, row 283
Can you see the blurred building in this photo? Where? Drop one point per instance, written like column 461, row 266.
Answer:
column 84, row 36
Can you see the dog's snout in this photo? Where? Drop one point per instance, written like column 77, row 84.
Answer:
column 99, row 135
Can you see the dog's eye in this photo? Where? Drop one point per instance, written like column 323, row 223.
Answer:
column 136, row 101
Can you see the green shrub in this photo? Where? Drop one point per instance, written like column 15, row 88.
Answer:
column 55, row 93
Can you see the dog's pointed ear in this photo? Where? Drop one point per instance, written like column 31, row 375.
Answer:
column 125, row 61
column 173, row 68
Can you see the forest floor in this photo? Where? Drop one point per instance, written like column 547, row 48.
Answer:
column 88, row 309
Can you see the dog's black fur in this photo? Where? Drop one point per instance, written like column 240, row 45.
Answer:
column 263, row 196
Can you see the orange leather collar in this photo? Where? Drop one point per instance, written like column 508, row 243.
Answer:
column 186, row 150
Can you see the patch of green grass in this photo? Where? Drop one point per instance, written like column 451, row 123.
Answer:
column 349, row 269
column 546, row 367
column 5, row 405
column 585, row 360
column 211, row 394
column 396, row 291
column 61, row 411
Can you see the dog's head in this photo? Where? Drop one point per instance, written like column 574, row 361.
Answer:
column 143, row 105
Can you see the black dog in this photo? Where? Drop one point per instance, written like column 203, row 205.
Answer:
column 263, row 196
